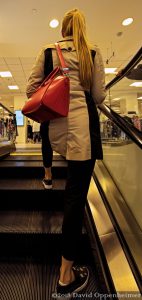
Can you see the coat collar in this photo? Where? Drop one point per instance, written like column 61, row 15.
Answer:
column 65, row 43
column 67, row 38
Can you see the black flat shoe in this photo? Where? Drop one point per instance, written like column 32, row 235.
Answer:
column 80, row 282
column 47, row 183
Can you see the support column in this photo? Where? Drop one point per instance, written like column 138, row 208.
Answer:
column 140, row 103
column 129, row 104
column 19, row 102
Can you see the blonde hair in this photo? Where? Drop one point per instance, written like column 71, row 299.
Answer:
column 74, row 24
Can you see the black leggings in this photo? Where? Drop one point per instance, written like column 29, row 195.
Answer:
column 47, row 152
column 78, row 181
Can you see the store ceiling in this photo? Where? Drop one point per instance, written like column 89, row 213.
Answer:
column 24, row 29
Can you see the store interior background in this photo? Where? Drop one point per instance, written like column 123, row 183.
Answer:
column 24, row 29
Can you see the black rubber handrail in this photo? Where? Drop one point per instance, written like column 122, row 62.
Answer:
column 132, row 63
column 131, row 131
column 4, row 107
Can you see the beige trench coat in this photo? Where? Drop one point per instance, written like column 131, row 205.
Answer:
column 71, row 136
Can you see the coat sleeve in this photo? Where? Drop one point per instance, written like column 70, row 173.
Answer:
column 98, row 83
column 37, row 74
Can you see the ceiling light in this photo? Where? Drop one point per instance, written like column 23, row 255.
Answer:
column 110, row 70
column 34, row 11
column 139, row 98
column 127, row 21
column 137, row 84
column 13, row 87
column 54, row 23
column 5, row 74
column 116, row 99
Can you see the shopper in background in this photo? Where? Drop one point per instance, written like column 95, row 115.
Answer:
column 136, row 121
column 76, row 137
column 36, row 132
column 11, row 127
column 29, row 132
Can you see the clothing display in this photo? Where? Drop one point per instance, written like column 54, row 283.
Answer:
column 11, row 127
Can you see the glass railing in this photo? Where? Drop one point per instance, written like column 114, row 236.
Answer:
column 123, row 104
column 121, row 132
column 123, row 160
column 117, row 128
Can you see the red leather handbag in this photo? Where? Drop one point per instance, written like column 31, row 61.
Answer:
column 51, row 99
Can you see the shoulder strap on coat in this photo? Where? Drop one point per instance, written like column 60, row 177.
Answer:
column 93, row 53
column 48, row 63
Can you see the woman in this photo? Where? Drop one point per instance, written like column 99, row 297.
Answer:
column 36, row 132
column 76, row 137
column 29, row 132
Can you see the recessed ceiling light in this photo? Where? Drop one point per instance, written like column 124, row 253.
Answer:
column 110, row 70
column 13, row 87
column 34, row 11
column 54, row 23
column 5, row 74
column 116, row 99
column 137, row 84
column 127, row 21
column 139, row 98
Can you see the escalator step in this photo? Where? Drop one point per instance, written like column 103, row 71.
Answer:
column 30, row 157
column 29, row 169
column 37, row 281
column 34, row 195
column 31, row 233
column 30, row 222
column 15, row 184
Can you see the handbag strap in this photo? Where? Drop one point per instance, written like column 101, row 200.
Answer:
column 65, row 68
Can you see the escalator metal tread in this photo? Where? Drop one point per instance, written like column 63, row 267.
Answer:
column 26, row 184
column 36, row 281
column 32, row 157
column 30, row 222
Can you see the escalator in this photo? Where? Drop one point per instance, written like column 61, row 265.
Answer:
column 30, row 229
column 30, row 233
column 118, row 190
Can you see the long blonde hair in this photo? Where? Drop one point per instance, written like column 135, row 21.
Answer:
column 74, row 24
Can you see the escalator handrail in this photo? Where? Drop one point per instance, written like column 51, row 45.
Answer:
column 132, row 63
column 134, row 134
column 4, row 107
